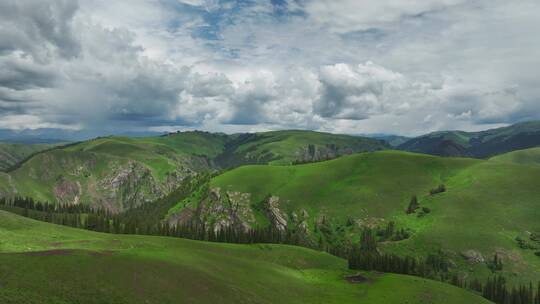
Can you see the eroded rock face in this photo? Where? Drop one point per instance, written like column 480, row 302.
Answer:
column 277, row 218
column 183, row 217
column 473, row 256
column 218, row 211
column 240, row 206
column 300, row 220
column 313, row 153
column 129, row 186
column 224, row 211
column 67, row 192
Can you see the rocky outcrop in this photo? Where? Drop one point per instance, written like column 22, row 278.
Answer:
column 276, row 217
column 67, row 192
column 183, row 217
column 473, row 256
column 313, row 153
column 217, row 211
column 128, row 186
column 300, row 220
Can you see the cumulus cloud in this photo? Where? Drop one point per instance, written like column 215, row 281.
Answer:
column 38, row 28
column 344, row 66
column 358, row 92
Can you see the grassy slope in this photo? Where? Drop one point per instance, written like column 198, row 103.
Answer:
column 488, row 203
column 186, row 151
column 87, row 267
column 529, row 157
column 162, row 155
column 285, row 145
column 11, row 154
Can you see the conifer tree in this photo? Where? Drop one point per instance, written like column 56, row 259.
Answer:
column 413, row 205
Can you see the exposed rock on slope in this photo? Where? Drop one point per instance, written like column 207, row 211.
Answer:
column 129, row 186
column 67, row 192
column 277, row 218
column 216, row 211
column 473, row 256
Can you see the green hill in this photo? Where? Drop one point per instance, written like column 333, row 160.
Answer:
column 529, row 157
column 119, row 173
column 477, row 144
column 44, row 263
column 286, row 147
column 11, row 154
column 489, row 206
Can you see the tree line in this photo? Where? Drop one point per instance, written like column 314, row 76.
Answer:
column 100, row 220
column 366, row 256
column 147, row 220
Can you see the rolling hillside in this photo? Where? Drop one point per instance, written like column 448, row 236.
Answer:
column 528, row 157
column 11, row 154
column 119, row 173
column 487, row 208
column 477, row 144
column 75, row 266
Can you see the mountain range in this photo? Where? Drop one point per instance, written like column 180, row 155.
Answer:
column 464, row 202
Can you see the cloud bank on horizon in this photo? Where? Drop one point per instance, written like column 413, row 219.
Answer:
column 347, row 66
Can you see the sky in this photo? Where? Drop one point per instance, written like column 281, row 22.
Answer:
column 405, row 67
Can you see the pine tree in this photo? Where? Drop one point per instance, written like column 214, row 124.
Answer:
column 413, row 205
column 537, row 298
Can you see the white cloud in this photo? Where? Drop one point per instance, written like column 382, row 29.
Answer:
column 359, row 92
column 251, row 66
column 356, row 15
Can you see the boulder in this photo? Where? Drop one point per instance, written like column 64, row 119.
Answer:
column 473, row 256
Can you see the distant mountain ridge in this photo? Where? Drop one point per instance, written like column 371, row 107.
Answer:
column 481, row 144
column 13, row 153
column 119, row 173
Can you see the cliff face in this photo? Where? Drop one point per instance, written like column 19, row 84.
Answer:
column 218, row 210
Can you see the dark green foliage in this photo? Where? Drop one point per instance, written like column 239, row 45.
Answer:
column 153, row 212
column 440, row 189
column 401, row 234
column 476, row 285
column 497, row 291
column 134, row 222
column 495, row 264
column 438, row 262
column 530, row 243
column 368, row 242
column 477, row 144
column 334, row 236
column 413, row 205
column 537, row 298
column 387, row 232
column 436, row 266
column 391, row 233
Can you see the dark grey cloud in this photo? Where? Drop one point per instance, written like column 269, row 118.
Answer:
column 38, row 28
column 19, row 74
